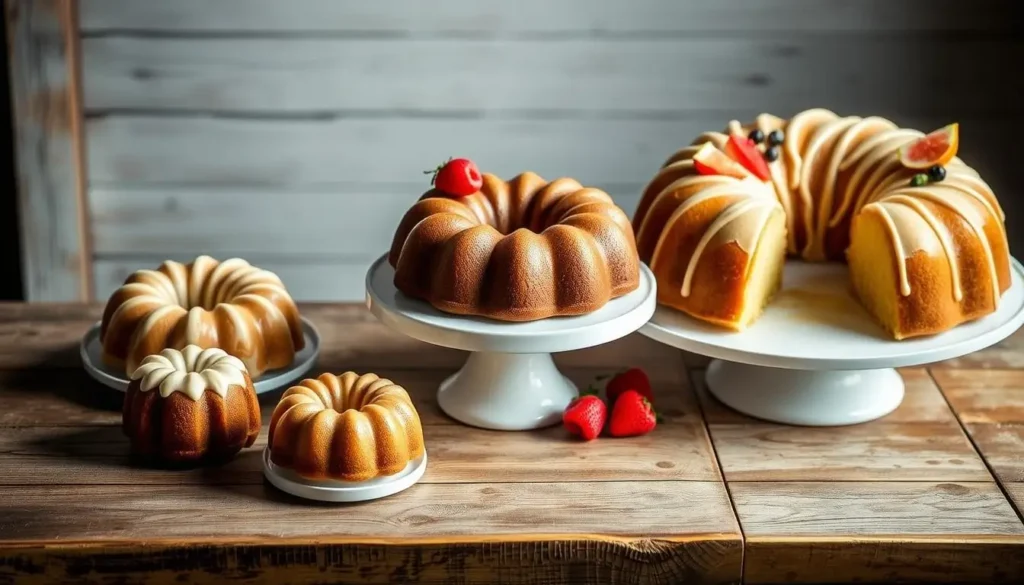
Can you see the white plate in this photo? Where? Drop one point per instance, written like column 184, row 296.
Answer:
column 91, row 352
column 288, row 481
column 815, row 323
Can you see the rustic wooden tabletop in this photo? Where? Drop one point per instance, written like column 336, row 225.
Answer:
column 933, row 492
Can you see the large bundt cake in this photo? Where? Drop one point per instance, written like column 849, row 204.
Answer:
column 519, row 250
column 232, row 305
column 191, row 404
column 926, row 252
column 345, row 428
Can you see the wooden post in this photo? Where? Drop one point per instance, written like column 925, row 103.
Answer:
column 45, row 97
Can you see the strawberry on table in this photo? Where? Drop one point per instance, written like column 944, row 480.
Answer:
column 585, row 416
column 632, row 415
column 457, row 176
column 631, row 379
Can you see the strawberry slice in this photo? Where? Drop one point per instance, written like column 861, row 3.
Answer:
column 711, row 161
column 744, row 150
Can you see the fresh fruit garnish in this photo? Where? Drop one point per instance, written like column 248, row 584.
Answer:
column 632, row 415
column 457, row 176
column 936, row 148
column 744, row 151
column 757, row 135
column 711, row 161
column 775, row 137
column 772, row 154
column 585, row 416
column 919, row 180
column 937, row 173
column 631, row 379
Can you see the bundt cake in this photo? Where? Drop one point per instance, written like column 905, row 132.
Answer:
column 516, row 250
column 925, row 251
column 190, row 404
column 231, row 305
column 346, row 428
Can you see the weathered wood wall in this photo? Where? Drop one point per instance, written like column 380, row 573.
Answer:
column 295, row 134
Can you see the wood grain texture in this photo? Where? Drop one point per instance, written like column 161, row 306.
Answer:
column 983, row 396
column 778, row 72
column 1002, row 446
column 607, row 152
column 426, row 511
column 541, row 16
column 37, row 336
column 883, row 561
column 873, row 509
column 1007, row 354
column 569, row 560
column 45, row 103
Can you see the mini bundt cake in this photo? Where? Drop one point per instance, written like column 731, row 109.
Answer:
column 190, row 404
column 925, row 252
column 231, row 305
column 519, row 250
column 346, row 428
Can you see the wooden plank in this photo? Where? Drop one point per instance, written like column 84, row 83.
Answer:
column 484, row 511
column 309, row 279
column 1016, row 492
column 605, row 153
column 568, row 560
column 984, row 396
column 43, row 63
column 303, row 224
column 69, row 397
column 874, row 509
column 38, row 336
column 1002, row 446
column 922, row 402
column 774, row 73
column 878, row 532
column 563, row 16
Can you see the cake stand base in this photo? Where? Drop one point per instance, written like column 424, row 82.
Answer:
column 343, row 491
column 806, row 397
column 509, row 381
column 507, row 391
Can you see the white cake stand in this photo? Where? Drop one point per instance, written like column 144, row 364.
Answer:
column 509, row 382
column 91, row 351
column 816, row 357
column 290, row 482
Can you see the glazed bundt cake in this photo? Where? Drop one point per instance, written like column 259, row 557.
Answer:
column 190, row 404
column 347, row 428
column 516, row 250
column 231, row 305
column 926, row 252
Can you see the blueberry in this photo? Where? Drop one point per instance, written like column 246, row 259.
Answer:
column 772, row 154
column 756, row 135
column 937, row 173
column 919, row 180
column 775, row 138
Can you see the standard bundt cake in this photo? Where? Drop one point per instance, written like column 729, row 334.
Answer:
column 519, row 250
column 926, row 252
column 346, row 428
column 190, row 404
column 231, row 305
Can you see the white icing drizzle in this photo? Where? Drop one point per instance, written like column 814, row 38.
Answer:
column 191, row 371
column 837, row 167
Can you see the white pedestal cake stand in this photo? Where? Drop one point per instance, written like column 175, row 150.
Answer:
column 816, row 357
column 509, row 382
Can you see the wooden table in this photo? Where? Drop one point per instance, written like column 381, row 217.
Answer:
column 932, row 492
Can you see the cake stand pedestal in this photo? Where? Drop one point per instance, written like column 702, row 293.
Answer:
column 816, row 357
column 509, row 382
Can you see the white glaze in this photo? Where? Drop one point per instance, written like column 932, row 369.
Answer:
column 191, row 371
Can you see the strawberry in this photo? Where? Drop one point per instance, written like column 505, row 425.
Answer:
column 457, row 176
column 631, row 379
column 585, row 416
column 745, row 151
column 632, row 415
